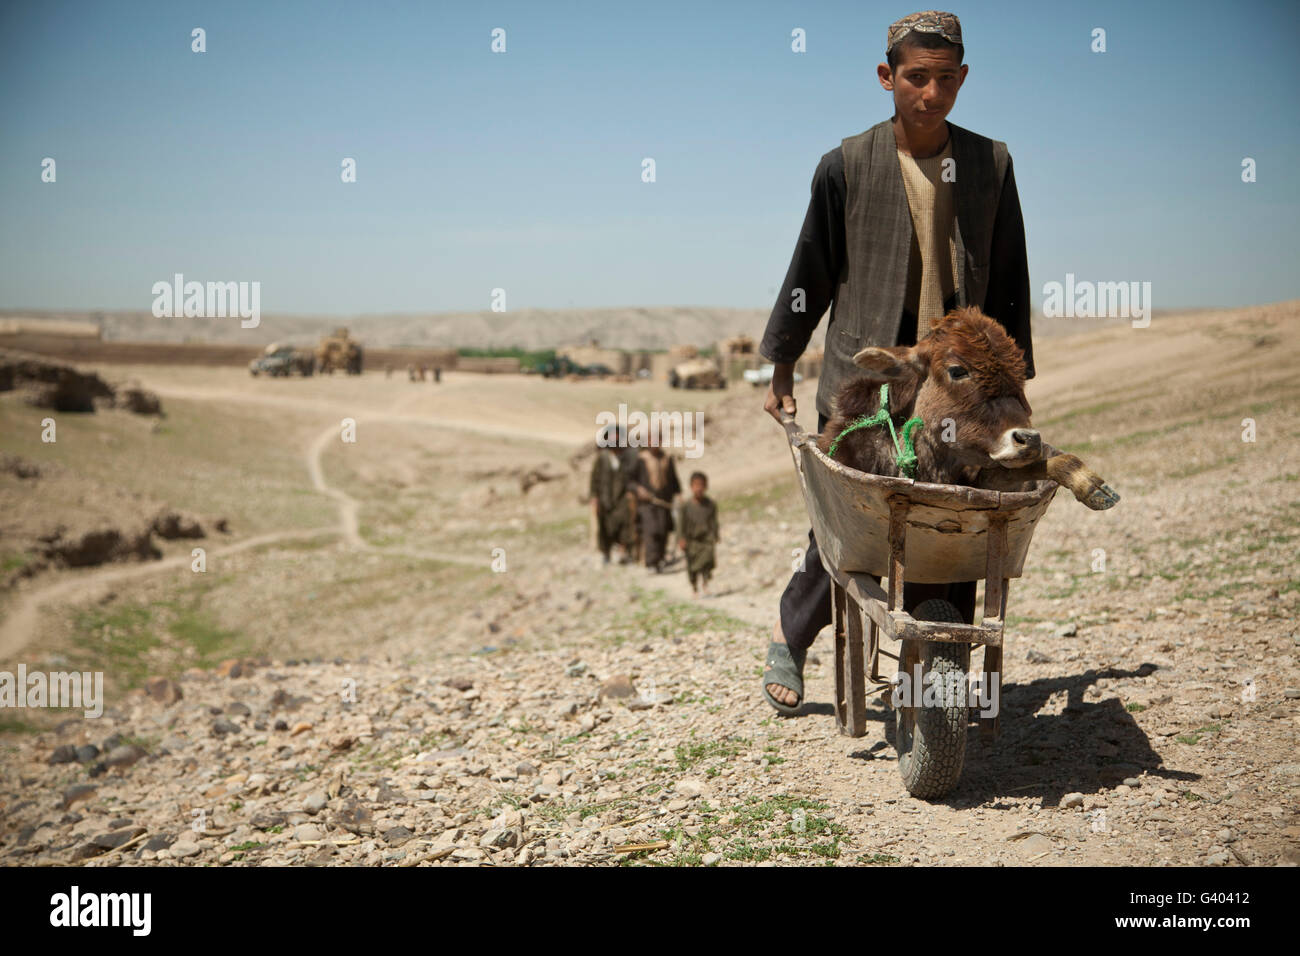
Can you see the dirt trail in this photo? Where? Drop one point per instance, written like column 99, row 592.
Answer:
column 19, row 626
column 74, row 587
column 349, row 507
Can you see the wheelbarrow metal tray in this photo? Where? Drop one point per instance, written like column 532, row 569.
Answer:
column 946, row 525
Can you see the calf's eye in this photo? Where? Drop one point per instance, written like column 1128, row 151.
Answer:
column 956, row 371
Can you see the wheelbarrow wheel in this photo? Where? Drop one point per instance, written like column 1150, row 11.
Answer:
column 932, row 740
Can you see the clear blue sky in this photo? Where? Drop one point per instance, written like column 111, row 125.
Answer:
column 522, row 170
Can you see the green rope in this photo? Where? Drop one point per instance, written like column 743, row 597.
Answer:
column 904, row 452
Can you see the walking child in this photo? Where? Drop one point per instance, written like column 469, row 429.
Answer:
column 699, row 533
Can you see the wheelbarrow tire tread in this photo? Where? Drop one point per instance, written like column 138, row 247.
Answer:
column 934, row 762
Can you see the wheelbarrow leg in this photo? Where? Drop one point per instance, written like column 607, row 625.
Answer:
column 995, row 606
column 989, row 726
column 850, row 666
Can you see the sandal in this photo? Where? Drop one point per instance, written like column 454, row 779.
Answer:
column 786, row 669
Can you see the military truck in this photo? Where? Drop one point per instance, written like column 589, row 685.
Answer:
column 561, row 367
column 281, row 360
column 339, row 352
column 697, row 373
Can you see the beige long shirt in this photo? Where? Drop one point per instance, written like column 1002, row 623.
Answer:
column 932, row 266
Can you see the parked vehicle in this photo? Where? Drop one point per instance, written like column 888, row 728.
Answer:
column 282, row 360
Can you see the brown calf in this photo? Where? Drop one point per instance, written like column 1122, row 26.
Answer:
column 966, row 381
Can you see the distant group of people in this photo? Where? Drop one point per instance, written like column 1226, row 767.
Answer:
column 637, row 503
column 417, row 373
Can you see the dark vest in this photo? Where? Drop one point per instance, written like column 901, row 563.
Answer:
column 871, row 298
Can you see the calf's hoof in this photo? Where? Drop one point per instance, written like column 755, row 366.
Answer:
column 1101, row 498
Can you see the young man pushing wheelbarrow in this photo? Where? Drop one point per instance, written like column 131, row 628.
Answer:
column 908, row 220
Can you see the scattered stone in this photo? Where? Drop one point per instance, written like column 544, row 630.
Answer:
column 182, row 849
column 355, row 819
column 499, row 839
column 123, row 756
column 341, row 742
column 86, row 851
column 691, row 787
column 619, row 686
column 164, row 691
column 1066, row 630
column 115, row 838
column 315, row 802
column 1071, row 800
column 1036, row 843
column 230, row 668
column 137, row 399
column 76, row 795
column 172, row 525
column 397, row 836
column 222, row 727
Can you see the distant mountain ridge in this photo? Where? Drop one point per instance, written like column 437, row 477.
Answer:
column 624, row 327
column 630, row 327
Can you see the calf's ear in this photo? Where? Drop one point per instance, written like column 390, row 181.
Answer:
column 891, row 364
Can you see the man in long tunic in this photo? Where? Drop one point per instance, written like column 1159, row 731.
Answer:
column 908, row 220
column 654, row 480
column 699, row 533
column 608, row 496
column 627, row 458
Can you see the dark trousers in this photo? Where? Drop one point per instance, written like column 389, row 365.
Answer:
column 611, row 526
column 656, row 524
column 806, row 601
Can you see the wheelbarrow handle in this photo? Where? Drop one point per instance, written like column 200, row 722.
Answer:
column 793, row 433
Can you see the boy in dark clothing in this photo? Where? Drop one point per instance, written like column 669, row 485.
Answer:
column 654, row 480
column 699, row 533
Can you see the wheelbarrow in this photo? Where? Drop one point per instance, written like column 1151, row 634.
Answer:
column 872, row 528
